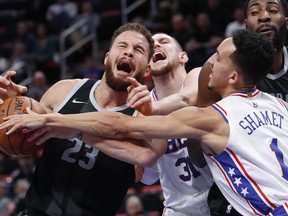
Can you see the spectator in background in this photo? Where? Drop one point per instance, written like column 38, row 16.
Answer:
column 134, row 206
column 87, row 11
column 25, row 36
column 44, row 47
column 110, row 15
column 162, row 21
column 20, row 62
column 4, row 201
column 204, row 42
column 21, row 187
column 36, row 10
column 25, row 171
column 189, row 8
column 219, row 16
column 91, row 69
column 60, row 15
column 236, row 24
column 38, row 86
column 181, row 29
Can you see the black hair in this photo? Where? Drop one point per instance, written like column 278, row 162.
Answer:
column 253, row 56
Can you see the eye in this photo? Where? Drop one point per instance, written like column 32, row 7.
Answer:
column 121, row 46
column 254, row 13
column 139, row 50
column 165, row 41
column 273, row 11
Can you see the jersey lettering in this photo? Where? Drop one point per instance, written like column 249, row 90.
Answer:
column 174, row 145
column 280, row 95
column 255, row 120
column 70, row 155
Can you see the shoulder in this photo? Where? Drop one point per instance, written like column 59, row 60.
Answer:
column 57, row 92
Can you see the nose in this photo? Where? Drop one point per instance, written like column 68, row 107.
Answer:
column 264, row 17
column 156, row 44
column 129, row 52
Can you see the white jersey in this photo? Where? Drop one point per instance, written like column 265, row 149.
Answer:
column 185, row 186
column 252, row 172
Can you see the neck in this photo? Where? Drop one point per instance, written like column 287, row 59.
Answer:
column 107, row 97
column 230, row 90
column 169, row 83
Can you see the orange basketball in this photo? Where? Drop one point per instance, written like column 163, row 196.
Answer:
column 16, row 143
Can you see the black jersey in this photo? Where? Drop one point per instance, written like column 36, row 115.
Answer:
column 277, row 84
column 73, row 178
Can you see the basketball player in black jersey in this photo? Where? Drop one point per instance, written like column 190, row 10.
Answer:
column 72, row 177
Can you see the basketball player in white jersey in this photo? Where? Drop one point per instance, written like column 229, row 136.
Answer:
column 185, row 185
column 244, row 135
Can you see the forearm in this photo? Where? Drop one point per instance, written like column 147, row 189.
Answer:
column 93, row 123
column 169, row 104
column 137, row 152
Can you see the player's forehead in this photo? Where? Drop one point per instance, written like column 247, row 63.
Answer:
column 227, row 47
column 161, row 36
column 132, row 37
column 252, row 3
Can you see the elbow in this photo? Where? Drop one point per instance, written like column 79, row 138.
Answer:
column 147, row 159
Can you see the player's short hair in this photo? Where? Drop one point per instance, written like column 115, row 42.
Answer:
column 253, row 56
column 136, row 27
column 283, row 2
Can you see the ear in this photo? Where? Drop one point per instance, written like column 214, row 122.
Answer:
column 183, row 57
column 147, row 71
column 234, row 77
column 245, row 22
column 106, row 58
column 286, row 20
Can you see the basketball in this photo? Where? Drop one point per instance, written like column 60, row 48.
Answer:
column 16, row 143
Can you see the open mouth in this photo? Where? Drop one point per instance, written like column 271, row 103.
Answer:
column 124, row 66
column 158, row 56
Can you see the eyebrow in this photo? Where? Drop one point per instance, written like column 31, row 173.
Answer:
column 268, row 2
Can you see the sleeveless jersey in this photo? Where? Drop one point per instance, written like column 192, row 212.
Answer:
column 277, row 84
column 252, row 172
column 73, row 178
column 185, row 186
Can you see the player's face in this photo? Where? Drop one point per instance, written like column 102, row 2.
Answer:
column 128, row 57
column 166, row 55
column 267, row 17
column 221, row 64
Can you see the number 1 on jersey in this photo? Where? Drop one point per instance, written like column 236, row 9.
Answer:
column 280, row 157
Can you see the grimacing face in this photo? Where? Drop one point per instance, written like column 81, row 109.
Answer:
column 127, row 57
column 267, row 17
column 166, row 54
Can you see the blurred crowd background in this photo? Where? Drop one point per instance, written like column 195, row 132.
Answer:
column 49, row 40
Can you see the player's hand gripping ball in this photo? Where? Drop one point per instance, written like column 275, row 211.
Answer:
column 16, row 143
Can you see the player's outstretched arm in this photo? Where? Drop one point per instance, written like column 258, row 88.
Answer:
column 9, row 88
column 204, row 124
column 187, row 96
column 134, row 151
